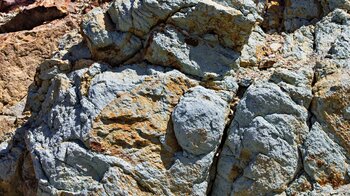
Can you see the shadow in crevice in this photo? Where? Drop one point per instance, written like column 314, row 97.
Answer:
column 16, row 166
column 286, row 16
column 28, row 19
column 273, row 16
column 169, row 146
column 6, row 6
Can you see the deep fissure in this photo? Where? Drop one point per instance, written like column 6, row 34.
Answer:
column 240, row 92
column 28, row 19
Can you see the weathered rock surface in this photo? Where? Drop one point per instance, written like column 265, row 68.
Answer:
column 138, row 17
column 127, row 27
column 260, row 153
column 149, row 97
column 124, row 116
column 172, row 48
column 324, row 160
column 104, row 42
column 195, row 132
column 331, row 105
column 298, row 13
column 20, row 54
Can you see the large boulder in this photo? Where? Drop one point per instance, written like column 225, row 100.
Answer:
column 260, row 154
column 199, row 129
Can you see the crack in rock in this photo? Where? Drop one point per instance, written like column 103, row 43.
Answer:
column 28, row 19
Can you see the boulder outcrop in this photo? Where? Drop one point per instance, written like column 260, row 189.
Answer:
column 149, row 97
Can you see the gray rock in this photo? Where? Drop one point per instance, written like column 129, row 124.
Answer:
column 300, row 186
column 198, row 166
column 105, row 42
column 157, row 127
column 231, row 25
column 12, row 159
column 299, row 44
column 296, row 83
column 199, row 129
column 73, row 140
column 328, row 164
column 197, row 17
column 251, row 9
column 191, row 55
column 138, row 17
column 72, row 47
column 323, row 159
column 332, row 36
column 301, row 13
column 340, row 48
column 260, row 154
column 330, row 5
column 227, row 83
column 249, row 54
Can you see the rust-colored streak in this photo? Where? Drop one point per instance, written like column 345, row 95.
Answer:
column 132, row 133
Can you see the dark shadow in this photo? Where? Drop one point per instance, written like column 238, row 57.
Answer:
column 274, row 20
column 16, row 163
column 28, row 19
column 6, row 6
column 169, row 147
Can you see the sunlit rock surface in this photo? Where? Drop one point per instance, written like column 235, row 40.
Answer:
column 148, row 97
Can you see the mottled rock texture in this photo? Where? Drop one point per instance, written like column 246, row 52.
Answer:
column 21, row 53
column 175, row 97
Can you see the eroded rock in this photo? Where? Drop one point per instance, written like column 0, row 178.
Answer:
column 330, row 106
column 199, row 129
column 192, row 55
column 324, row 160
column 105, row 42
column 124, row 116
column 139, row 17
column 182, row 98
column 38, row 12
column 260, row 153
column 231, row 25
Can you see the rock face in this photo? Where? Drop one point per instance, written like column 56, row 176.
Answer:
column 20, row 54
column 124, row 116
column 148, row 97
column 261, row 151
column 186, row 53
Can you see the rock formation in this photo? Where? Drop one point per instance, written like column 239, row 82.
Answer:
column 175, row 97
